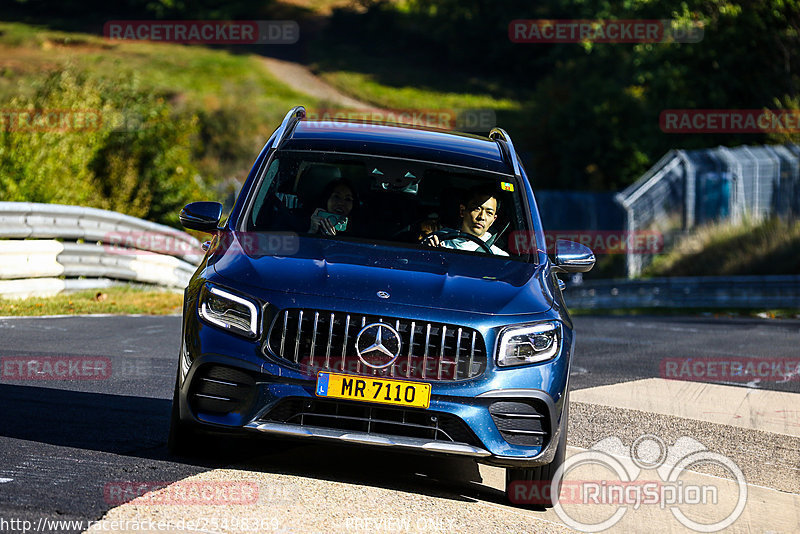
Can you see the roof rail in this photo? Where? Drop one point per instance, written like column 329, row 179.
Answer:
column 497, row 134
column 289, row 122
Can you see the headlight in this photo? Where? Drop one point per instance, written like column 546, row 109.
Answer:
column 228, row 311
column 529, row 344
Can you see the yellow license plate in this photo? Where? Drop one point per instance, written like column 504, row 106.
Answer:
column 369, row 389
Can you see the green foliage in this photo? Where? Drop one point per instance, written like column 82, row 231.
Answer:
column 588, row 116
column 179, row 123
column 132, row 154
column 768, row 247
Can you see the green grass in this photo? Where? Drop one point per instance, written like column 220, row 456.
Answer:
column 367, row 88
column 193, row 119
column 769, row 247
column 191, row 75
column 114, row 300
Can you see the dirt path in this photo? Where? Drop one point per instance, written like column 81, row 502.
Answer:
column 301, row 79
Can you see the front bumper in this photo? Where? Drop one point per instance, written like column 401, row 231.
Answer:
column 541, row 387
column 262, row 395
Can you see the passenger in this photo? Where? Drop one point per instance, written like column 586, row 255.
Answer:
column 339, row 198
column 477, row 214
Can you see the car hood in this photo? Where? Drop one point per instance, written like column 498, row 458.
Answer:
column 413, row 276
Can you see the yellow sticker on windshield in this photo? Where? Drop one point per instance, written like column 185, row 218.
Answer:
column 506, row 186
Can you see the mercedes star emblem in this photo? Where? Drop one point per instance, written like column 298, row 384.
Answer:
column 378, row 340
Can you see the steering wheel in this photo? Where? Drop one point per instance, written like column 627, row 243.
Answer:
column 446, row 235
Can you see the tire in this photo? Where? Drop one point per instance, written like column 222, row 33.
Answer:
column 540, row 493
column 184, row 440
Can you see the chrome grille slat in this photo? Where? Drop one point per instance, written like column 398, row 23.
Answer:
column 344, row 343
column 435, row 352
column 458, row 350
column 396, row 327
column 410, row 348
column 427, row 346
column 441, row 354
column 472, row 352
column 297, row 339
column 285, row 325
column 314, row 337
column 328, row 347
column 363, row 324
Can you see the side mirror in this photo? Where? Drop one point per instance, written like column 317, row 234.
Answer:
column 573, row 257
column 202, row 216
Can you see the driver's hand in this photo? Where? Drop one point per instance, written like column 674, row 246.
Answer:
column 432, row 240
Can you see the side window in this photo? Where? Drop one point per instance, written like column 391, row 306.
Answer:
column 262, row 192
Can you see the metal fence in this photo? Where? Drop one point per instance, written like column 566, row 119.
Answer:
column 49, row 248
column 687, row 188
column 763, row 292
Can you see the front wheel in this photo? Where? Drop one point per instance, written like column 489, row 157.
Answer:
column 534, row 485
column 183, row 440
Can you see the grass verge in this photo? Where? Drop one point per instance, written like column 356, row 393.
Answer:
column 769, row 247
column 120, row 300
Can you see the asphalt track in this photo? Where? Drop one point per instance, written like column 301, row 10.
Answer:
column 64, row 443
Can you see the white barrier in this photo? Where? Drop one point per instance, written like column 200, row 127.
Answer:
column 93, row 243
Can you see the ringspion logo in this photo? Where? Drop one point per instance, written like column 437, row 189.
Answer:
column 648, row 473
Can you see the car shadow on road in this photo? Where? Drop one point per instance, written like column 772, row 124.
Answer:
column 119, row 424
column 138, row 427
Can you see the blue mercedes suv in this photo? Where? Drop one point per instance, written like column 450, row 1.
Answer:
column 381, row 285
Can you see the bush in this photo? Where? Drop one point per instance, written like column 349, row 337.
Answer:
column 136, row 159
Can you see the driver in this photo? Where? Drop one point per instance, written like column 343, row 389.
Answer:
column 477, row 214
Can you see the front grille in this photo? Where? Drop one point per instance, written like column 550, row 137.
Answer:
column 521, row 423
column 325, row 340
column 372, row 420
column 218, row 390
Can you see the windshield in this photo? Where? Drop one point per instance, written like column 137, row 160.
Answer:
column 390, row 200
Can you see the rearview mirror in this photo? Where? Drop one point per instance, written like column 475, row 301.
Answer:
column 202, row 216
column 572, row 257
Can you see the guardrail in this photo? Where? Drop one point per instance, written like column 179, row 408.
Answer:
column 687, row 292
column 87, row 247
